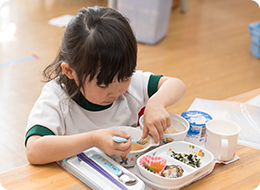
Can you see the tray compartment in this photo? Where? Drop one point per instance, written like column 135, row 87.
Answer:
column 187, row 169
column 190, row 174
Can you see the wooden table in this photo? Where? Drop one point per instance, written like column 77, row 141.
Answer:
column 243, row 174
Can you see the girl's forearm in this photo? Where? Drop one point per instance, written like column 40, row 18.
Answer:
column 42, row 150
column 171, row 90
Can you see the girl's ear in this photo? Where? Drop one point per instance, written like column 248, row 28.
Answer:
column 69, row 72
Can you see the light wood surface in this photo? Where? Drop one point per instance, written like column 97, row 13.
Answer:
column 240, row 175
column 207, row 48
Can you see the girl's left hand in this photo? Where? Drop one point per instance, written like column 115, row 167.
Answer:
column 156, row 120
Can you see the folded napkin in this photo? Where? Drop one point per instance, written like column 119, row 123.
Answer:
column 236, row 157
column 61, row 21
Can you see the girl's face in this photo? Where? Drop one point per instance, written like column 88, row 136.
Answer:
column 104, row 95
column 98, row 94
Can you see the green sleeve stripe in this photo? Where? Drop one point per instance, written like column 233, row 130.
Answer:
column 38, row 130
column 153, row 84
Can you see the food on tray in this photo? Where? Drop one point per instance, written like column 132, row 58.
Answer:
column 156, row 166
column 153, row 163
column 149, row 168
column 172, row 171
column 151, row 159
column 136, row 146
column 169, row 171
column 171, row 130
column 189, row 159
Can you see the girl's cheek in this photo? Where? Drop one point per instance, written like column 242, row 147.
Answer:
column 126, row 86
column 97, row 96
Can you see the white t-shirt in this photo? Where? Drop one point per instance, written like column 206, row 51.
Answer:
column 55, row 113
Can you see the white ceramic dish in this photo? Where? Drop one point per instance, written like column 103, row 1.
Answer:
column 132, row 156
column 94, row 179
column 190, row 174
column 179, row 123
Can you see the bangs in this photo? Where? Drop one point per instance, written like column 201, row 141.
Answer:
column 110, row 53
column 113, row 64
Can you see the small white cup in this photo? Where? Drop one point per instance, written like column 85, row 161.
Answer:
column 222, row 137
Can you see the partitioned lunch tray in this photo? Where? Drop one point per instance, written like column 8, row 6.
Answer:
column 190, row 174
column 94, row 179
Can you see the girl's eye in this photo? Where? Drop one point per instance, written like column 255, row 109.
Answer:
column 126, row 79
column 103, row 87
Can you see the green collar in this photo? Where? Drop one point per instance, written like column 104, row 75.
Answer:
column 87, row 105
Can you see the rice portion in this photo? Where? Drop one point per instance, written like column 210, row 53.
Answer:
column 171, row 130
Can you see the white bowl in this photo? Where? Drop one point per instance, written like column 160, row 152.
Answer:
column 179, row 123
column 132, row 156
column 190, row 173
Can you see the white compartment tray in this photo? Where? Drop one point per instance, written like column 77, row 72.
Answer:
column 190, row 174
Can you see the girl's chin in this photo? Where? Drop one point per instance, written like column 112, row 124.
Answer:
column 106, row 103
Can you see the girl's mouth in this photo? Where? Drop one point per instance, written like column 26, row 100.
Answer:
column 109, row 102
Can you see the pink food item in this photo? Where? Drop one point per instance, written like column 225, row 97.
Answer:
column 148, row 160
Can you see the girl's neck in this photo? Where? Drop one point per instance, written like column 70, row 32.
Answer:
column 87, row 105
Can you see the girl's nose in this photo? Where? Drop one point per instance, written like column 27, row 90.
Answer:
column 115, row 92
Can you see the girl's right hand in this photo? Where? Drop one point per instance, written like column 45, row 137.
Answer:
column 103, row 139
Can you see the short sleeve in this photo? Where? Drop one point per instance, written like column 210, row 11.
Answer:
column 153, row 84
column 38, row 130
column 47, row 115
column 143, row 85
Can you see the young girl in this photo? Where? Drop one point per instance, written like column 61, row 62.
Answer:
column 92, row 85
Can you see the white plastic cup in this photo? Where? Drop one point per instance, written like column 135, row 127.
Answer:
column 222, row 137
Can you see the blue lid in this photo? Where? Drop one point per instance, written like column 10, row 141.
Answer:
column 197, row 118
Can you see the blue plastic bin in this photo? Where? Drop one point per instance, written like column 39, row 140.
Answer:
column 254, row 30
column 255, row 49
column 255, row 26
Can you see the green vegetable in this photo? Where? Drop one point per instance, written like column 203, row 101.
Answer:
column 149, row 168
column 188, row 159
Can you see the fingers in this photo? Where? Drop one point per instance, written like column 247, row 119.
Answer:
column 154, row 131
column 145, row 132
column 167, row 123
column 157, row 132
column 126, row 148
column 121, row 134
column 121, row 149
column 104, row 141
column 156, row 128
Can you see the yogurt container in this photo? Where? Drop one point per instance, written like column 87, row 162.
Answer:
column 197, row 131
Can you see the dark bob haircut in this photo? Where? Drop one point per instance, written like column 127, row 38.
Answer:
column 98, row 42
